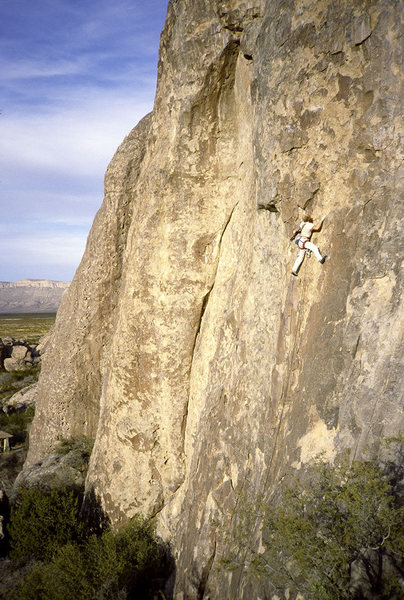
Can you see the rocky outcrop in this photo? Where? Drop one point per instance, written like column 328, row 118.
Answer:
column 204, row 372
column 63, row 469
column 21, row 400
column 17, row 355
column 31, row 295
column 87, row 318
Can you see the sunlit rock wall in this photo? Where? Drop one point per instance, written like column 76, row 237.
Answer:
column 205, row 372
column 73, row 365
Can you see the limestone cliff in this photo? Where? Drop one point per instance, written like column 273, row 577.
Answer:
column 203, row 370
column 31, row 295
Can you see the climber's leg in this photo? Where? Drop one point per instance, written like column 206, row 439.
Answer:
column 315, row 250
column 298, row 261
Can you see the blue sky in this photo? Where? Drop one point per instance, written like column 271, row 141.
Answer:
column 75, row 77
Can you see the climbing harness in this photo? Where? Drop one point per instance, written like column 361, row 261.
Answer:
column 301, row 242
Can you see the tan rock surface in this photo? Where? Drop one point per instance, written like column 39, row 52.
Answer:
column 203, row 370
column 70, row 382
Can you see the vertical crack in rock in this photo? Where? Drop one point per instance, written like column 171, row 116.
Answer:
column 355, row 350
column 208, row 293
column 204, row 304
column 205, row 574
column 288, row 341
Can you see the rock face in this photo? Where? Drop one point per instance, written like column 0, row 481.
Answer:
column 31, row 295
column 204, row 372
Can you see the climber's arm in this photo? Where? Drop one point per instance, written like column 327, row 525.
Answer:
column 319, row 225
column 295, row 232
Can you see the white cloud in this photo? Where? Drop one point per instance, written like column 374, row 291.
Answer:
column 48, row 209
column 33, row 69
column 44, row 158
column 51, row 248
column 78, row 140
column 41, row 254
column 75, row 78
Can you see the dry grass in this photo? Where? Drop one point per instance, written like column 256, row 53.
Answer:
column 30, row 327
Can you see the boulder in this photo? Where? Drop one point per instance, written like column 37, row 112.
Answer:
column 57, row 470
column 20, row 352
column 18, row 355
column 17, row 364
column 21, row 400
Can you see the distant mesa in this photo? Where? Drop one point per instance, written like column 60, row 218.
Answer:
column 31, row 295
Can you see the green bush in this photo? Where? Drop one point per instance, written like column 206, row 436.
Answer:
column 71, row 564
column 338, row 536
column 143, row 558
column 16, row 423
column 12, row 382
column 81, row 443
column 42, row 522
column 63, row 578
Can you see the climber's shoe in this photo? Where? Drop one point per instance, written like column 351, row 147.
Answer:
column 323, row 259
column 293, row 273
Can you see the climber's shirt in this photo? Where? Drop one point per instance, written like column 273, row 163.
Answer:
column 306, row 229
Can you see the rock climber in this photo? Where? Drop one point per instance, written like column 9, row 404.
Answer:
column 303, row 242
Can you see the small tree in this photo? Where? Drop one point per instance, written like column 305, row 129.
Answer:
column 130, row 562
column 338, row 536
column 43, row 522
